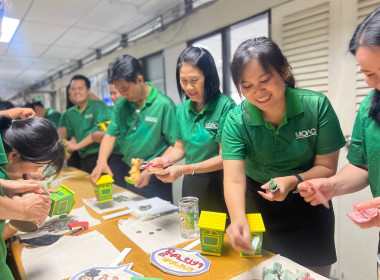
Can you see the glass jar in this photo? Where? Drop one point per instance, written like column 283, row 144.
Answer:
column 188, row 217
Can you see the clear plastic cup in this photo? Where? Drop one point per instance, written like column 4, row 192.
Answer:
column 189, row 217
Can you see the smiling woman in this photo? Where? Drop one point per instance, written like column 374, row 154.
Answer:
column 277, row 135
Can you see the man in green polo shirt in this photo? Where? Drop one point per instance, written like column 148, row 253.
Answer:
column 82, row 120
column 42, row 112
column 142, row 123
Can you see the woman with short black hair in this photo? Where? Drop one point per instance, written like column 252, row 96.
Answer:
column 200, row 121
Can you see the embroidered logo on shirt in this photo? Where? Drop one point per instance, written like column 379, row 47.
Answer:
column 88, row 116
column 151, row 119
column 210, row 125
column 306, row 133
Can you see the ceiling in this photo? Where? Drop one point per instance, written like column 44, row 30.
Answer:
column 54, row 34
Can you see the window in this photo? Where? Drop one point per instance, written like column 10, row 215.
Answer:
column 154, row 70
column 223, row 43
column 104, row 89
column 254, row 27
column 213, row 44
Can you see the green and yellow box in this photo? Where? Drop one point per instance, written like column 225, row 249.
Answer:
column 256, row 225
column 62, row 202
column 103, row 188
column 212, row 226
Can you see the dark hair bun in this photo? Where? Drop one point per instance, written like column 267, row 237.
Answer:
column 5, row 122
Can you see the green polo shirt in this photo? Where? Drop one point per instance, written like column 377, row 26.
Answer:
column 63, row 123
column 62, row 120
column 81, row 124
column 53, row 116
column 5, row 272
column 144, row 133
column 3, row 155
column 365, row 149
column 309, row 127
column 116, row 148
column 201, row 132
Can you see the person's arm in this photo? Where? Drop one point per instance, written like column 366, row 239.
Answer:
column 12, row 187
column 62, row 132
column 105, row 151
column 238, row 231
column 22, row 113
column 349, row 179
column 209, row 165
column 8, row 232
column 177, row 171
column 324, row 166
column 94, row 137
column 34, row 207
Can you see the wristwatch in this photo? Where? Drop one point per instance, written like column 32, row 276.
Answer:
column 295, row 190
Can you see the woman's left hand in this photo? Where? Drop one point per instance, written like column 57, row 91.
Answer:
column 175, row 172
column 143, row 180
column 285, row 184
column 366, row 205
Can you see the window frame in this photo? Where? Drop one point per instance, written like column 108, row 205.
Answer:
column 226, row 46
column 143, row 61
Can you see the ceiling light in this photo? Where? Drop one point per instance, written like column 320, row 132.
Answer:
column 9, row 27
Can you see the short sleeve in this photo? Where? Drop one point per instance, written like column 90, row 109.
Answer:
column 113, row 128
column 330, row 136
column 176, row 128
column 103, row 113
column 228, row 106
column 169, row 122
column 356, row 154
column 62, row 120
column 233, row 144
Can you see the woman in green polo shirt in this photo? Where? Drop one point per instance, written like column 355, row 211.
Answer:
column 27, row 146
column 198, row 130
column 286, row 134
column 364, row 154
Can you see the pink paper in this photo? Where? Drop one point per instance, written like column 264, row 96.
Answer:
column 363, row 216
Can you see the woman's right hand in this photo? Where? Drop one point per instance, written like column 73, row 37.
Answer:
column 34, row 207
column 239, row 233
column 98, row 170
column 311, row 190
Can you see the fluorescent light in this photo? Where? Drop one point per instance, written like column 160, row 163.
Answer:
column 9, row 27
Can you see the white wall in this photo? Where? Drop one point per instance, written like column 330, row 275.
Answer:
column 170, row 59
